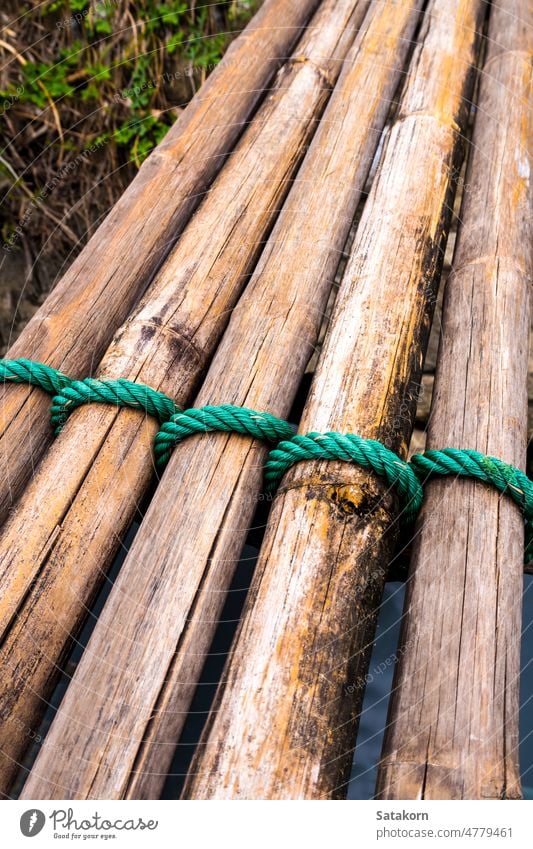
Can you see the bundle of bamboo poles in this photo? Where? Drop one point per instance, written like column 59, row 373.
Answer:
column 235, row 310
column 307, row 631
column 187, row 555
column 127, row 249
column 68, row 524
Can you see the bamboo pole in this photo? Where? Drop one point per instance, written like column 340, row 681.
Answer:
column 454, row 711
column 64, row 532
column 70, row 331
column 283, row 724
column 187, row 546
column 315, row 524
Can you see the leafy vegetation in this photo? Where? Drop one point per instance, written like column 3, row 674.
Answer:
column 87, row 89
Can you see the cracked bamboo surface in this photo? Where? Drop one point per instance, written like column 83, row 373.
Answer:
column 454, row 711
column 69, row 522
column 148, row 650
column 70, row 331
column 283, row 723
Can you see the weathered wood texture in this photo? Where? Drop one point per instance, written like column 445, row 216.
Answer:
column 72, row 330
column 187, row 546
column 454, row 711
column 283, row 724
column 60, row 538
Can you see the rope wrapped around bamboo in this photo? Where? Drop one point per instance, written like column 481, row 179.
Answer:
column 69, row 331
column 176, row 425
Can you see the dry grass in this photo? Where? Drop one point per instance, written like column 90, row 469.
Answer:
column 86, row 90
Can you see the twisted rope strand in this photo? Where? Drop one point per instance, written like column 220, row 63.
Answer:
column 351, row 448
column 36, row 374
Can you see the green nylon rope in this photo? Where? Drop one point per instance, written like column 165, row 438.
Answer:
column 472, row 464
column 176, row 425
column 224, row 417
column 37, row 374
column 354, row 449
column 69, row 394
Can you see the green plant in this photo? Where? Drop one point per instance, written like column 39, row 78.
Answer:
column 110, row 73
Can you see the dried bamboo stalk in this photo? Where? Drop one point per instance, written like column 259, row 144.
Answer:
column 187, row 546
column 62, row 535
column 283, row 724
column 454, row 711
column 71, row 331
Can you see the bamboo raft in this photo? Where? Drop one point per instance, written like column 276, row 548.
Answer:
column 308, row 236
